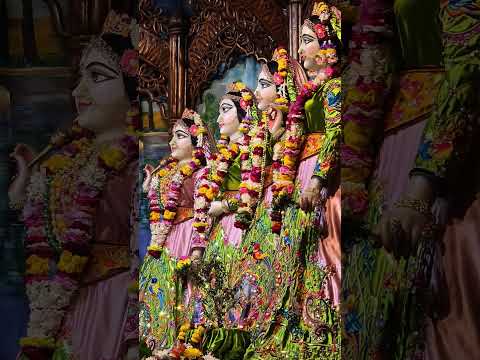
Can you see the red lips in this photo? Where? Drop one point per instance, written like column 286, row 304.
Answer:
column 82, row 105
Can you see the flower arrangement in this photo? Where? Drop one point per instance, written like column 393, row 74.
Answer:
column 368, row 82
column 59, row 216
column 161, row 221
column 129, row 62
column 209, row 187
column 183, row 350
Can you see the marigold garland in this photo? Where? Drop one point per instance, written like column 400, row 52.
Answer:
column 286, row 154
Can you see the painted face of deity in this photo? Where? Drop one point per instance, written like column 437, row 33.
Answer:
column 228, row 118
column 266, row 92
column 309, row 48
column 100, row 97
column 181, row 145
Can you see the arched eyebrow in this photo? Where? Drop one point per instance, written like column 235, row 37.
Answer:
column 308, row 36
column 265, row 80
column 182, row 131
column 222, row 104
column 96, row 63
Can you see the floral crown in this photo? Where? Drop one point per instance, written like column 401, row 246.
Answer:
column 126, row 27
column 197, row 129
column 327, row 29
column 246, row 95
column 327, row 15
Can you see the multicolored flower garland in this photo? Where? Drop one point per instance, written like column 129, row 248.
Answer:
column 161, row 222
column 214, row 174
column 253, row 151
column 368, row 80
column 60, row 217
column 286, row 156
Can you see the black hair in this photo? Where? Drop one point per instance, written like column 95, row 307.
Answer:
column 119, row 45
column 189, row 122
column 272, row 66
column 240, row 112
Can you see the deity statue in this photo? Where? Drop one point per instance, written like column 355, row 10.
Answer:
column 265, row 256
column 78, row 202
column 170, row 187
column 308, row 322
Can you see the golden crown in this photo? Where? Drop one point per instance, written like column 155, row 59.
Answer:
column 319, row 8
column 120, row 24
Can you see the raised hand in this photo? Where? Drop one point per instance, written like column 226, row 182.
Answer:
column 23, row 155
column 275, row 122
column 148, row 177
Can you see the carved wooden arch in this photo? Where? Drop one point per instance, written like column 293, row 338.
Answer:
column 222, row 29
column 154, row 51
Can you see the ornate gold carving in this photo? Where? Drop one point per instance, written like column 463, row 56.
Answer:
column 222, row 29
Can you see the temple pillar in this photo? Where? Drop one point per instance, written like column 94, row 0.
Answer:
column 295, row 25
column 177, row 90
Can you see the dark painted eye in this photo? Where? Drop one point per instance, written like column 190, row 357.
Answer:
column 99, row 77
column 265, row 84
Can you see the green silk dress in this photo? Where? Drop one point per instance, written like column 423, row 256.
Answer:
column 307, row 325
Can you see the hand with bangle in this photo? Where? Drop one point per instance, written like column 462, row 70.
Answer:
column 401, row 227
column 314, row 195
column 196, row 256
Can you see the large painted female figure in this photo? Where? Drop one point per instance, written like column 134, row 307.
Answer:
column 77, row 208
column 170, row 188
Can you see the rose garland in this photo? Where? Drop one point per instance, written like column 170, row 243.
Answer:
column 60, row 216
column 253, row 163
column 214, row 175
column 286, row 151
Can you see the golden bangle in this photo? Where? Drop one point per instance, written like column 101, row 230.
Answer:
column 421, row 206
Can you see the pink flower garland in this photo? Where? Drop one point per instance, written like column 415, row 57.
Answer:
column 160, row 228
column 209, row 187
column 50, row 295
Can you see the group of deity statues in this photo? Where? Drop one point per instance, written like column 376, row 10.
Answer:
column 244, row 259
column 248, row 263
column 313, row 228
